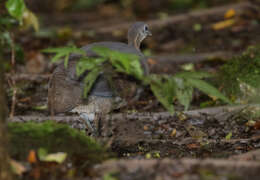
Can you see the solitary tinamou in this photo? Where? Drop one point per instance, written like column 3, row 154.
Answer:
column 65, row 92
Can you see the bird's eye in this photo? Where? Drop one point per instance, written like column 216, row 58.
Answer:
column 145, row 28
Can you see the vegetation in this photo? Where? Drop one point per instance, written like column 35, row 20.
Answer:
column 166, row 88
column 240, row 76
column 53, row 137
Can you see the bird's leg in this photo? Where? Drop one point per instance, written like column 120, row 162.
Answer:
column 99, row 119
column 89, row 119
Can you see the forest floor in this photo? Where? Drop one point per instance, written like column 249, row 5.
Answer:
column 215, row 142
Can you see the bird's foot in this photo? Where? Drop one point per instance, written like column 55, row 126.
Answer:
column 89, row 119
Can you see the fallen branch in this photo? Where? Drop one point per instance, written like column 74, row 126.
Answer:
column 168, row 59
column 172, row 168
column 117, row 24
column 136, row 128
column 249, row 156
column 213, row 111
column 169, row 63
column 29, row 77
column 216, row 11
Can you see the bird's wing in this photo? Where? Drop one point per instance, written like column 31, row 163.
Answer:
column 63, row 93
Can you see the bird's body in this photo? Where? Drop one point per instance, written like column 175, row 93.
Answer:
column 66, row 88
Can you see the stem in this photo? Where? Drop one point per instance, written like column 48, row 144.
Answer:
column 13, row 81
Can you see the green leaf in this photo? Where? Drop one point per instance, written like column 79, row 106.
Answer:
column 90, row 79
column 164, row 91
column 123, row 62
column 196, row 75
column 66, row 60
column 228, row 136
column 5, row 37
column 42, row 153
column 57, row 57
column 208, row 89
column 30, row 19
column 7, row 21
column 69, row 49
column 64, row 52
column 183, row 92
column 16, row 8
column 88, row 64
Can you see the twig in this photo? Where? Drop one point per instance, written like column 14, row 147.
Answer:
column 13, row 81
column 168, row 59
column 238, row 7
column 28, row 77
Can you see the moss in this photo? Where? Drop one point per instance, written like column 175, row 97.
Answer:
column 240, row 71
column 54, row 138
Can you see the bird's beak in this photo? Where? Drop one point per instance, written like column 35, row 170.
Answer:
column 149, row 33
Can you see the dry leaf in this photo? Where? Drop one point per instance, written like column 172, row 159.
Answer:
column 257, row 125
column 173, row 133
column 17, row 167
column 193, row 146
column 56, row 157
column 230, row 13
column 32, row 157
column 223, row 24
column 151, row 61
column 146, row 128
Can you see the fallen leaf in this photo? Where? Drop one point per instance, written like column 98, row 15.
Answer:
column 151, row 61
column 17, row 167
column 43, row 107
column 188, row 67
column 56, row 157
column 173, row 133
column 193, row 146
column 146, row 128
column 257, row 125
column 148, row 155
column 223, row 24
column 228, row 136
column 250, row 123
column 32, row 157
column 230, row 13
column 197, row 27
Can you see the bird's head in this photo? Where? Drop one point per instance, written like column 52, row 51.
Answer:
column 137, row 33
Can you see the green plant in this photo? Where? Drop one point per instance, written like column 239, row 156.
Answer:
column 240, row 76
column 166, row 88
column 14, row 14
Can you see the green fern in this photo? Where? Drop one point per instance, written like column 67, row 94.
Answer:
column 63, row 52
column 122, row 62
column 166, row 88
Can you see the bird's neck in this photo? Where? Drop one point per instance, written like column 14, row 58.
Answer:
column 135, row 42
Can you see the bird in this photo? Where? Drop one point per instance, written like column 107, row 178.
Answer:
column 65, row 88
